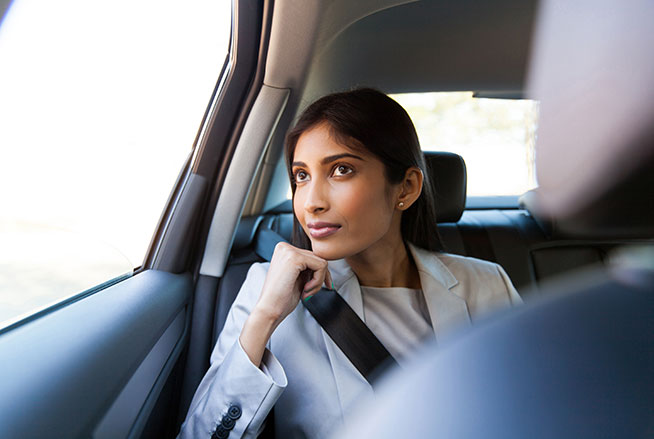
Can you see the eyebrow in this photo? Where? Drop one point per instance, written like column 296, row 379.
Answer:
column 330, row 158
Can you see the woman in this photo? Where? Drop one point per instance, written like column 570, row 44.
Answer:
column 365, row 223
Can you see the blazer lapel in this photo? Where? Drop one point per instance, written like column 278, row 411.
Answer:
column 446, row 309
column 351, row 385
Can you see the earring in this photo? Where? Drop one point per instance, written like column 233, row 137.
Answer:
column 400, row 205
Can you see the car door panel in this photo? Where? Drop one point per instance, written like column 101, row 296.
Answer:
column 94, row 367
column 122, row 419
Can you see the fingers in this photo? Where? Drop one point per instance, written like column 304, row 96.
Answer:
column 312, row 271
column 317, row 278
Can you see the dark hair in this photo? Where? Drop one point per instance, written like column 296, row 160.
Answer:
column 368, row 119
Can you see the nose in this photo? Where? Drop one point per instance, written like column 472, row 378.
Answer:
column 316, row 199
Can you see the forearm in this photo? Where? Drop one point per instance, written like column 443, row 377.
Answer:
column 234, row 380
column 255, row 335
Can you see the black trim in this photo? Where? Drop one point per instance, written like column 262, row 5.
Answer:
column 242, row 87
column 236, row 89
column 168, row 212
column 251, row 21
column 175, row 246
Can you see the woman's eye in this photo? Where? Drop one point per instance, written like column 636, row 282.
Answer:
column 342, row 170
column 300, row 176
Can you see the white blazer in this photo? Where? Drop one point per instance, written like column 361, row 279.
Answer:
column 308, row 379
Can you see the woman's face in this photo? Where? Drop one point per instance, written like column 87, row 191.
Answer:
column 342, row 198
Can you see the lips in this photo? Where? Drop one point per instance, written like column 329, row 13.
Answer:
column 322, row 229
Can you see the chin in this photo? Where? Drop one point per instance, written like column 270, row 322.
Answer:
column 329, row 252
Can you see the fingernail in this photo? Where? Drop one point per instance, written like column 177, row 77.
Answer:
column 333, row 285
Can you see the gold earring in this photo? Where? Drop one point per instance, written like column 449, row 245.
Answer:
column 401, row 204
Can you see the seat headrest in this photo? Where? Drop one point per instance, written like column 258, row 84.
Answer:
column 447, row 172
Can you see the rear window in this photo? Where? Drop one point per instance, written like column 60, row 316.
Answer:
column 495, row 137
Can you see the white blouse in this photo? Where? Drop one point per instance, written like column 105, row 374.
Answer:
column 398, row 317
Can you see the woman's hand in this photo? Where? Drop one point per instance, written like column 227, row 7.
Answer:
column 294, row 274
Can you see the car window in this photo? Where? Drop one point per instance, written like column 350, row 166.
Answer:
column 495, row 137
column 100, row 104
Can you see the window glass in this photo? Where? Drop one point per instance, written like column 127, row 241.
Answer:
column 100, row 102
column 495, row 137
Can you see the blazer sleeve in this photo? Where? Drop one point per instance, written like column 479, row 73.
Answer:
column 234, row 388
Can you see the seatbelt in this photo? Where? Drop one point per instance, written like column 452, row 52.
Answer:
column 338, row 320
column 350, row 333
column 265, row 242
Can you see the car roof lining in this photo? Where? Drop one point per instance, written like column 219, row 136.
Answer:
column 457, row 45
column 301, row 29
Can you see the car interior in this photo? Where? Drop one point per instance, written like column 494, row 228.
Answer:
column 132, row 370
column 577, row 360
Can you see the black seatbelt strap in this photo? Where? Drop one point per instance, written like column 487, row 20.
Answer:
column 350, row 333
column 337, row 319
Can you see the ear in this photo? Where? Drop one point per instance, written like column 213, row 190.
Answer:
column 411, row 188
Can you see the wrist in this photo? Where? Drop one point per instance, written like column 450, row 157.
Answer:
column 264, row 319
column 255, row 334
